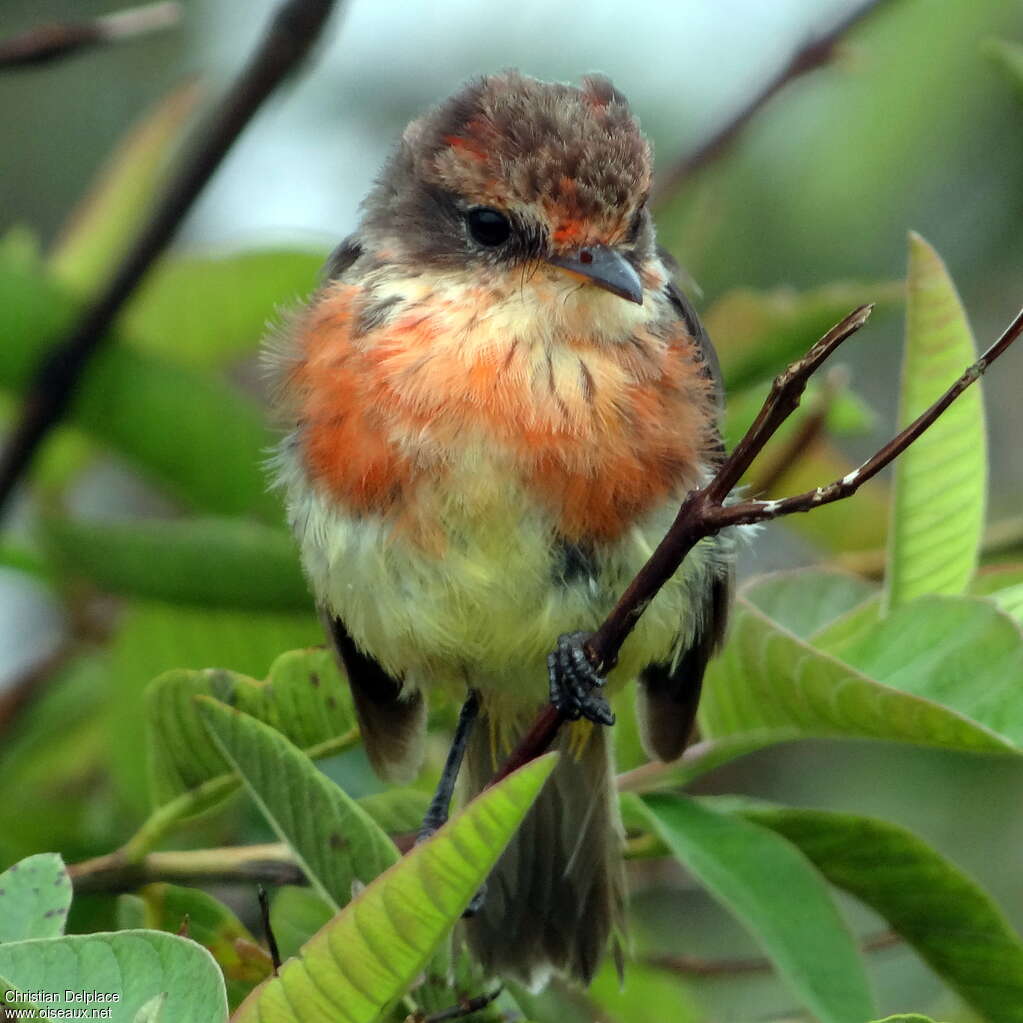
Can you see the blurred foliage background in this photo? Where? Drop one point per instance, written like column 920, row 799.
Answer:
column 147, row 541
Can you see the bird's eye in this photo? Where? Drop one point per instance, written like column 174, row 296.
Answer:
column 487, row 226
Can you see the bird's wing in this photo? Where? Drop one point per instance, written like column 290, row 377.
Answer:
column 392, row 722
column 669, row 692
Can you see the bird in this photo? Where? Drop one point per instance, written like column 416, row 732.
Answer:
column 490, row 410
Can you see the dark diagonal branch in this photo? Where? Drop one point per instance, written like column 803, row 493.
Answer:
column 814, row 54
column 707, row 511
column 292, row 32
column 58, row 39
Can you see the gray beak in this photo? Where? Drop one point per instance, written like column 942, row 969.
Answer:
column 605, row 267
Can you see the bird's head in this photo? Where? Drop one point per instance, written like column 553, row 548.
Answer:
column 512, row 173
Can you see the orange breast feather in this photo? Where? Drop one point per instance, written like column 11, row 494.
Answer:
column 598, row 436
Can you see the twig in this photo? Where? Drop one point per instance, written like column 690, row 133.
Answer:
column 268, row 931
column 465, row 1007
column 272, row 864
column 706, row 511
column 52, row 41
column 692, row 966
column 814, row 54
column 291, row 34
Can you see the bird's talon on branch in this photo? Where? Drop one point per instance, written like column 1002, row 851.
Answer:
column 575, row 683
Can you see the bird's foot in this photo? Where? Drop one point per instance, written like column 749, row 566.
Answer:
column 574, row 682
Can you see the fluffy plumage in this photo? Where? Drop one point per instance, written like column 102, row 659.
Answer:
column 484, row 448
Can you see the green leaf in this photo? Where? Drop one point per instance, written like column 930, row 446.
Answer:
column 947, row 917
column 35, row 896
column 227, row 563
column 941, row 480
column 847, row 415
column 153, row 637
column 305, row 697
column 806, row 600
column 370, row 953
column 152, row 1011
column 1009, row 56
column 701, row 759
column 209, row 922
column 207, row 310
column 135, row 965
column 961, row 652
column 767, row 678
column 296, row 914
column 1003, row 586
column 757, row 333
column 334, row 840
column 783, row 902
column 197, row 436
column 110, row 214
column 397, row 810
column 649, row 995
column 905, row 1017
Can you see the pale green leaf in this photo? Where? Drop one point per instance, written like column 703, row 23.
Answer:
column 209, row 922
column 305, row 697
column 35, row 896
column 806, row 600
column 905, row 1017
column 701, row 759
column 370, row 953
column 223, row 563
column 135, row 965
column 397, row 810
column 207, row 310
column 109, row 216
column 1008, row 54
column 947, row 917
column 768, row 678
column 779, row 897
column 757, row 333
column 334, row 840
column 153, row 637
column 940, row 484
column 152, row 1011
column 197, row 436
column 961, row 652
column 296, row 914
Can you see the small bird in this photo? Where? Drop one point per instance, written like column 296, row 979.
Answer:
column 494, row 404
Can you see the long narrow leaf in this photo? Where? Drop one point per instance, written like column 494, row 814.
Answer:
column 334, row 839
column 940, row 482
column 369, row 954
column 948, row 918
column 779, row 897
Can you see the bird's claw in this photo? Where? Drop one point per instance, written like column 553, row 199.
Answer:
column 575, row 683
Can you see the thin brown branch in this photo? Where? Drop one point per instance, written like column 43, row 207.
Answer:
column 707, row 511
column 59, row 39
column 291, row 33
column 816, row 53
column 270, row 864
column 693, row 966
column 760, row 511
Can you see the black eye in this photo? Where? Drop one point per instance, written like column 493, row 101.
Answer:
column 487, row 226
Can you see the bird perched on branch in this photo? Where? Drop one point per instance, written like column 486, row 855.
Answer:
column 495, row 402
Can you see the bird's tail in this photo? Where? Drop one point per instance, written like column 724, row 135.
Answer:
column 556, row 895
